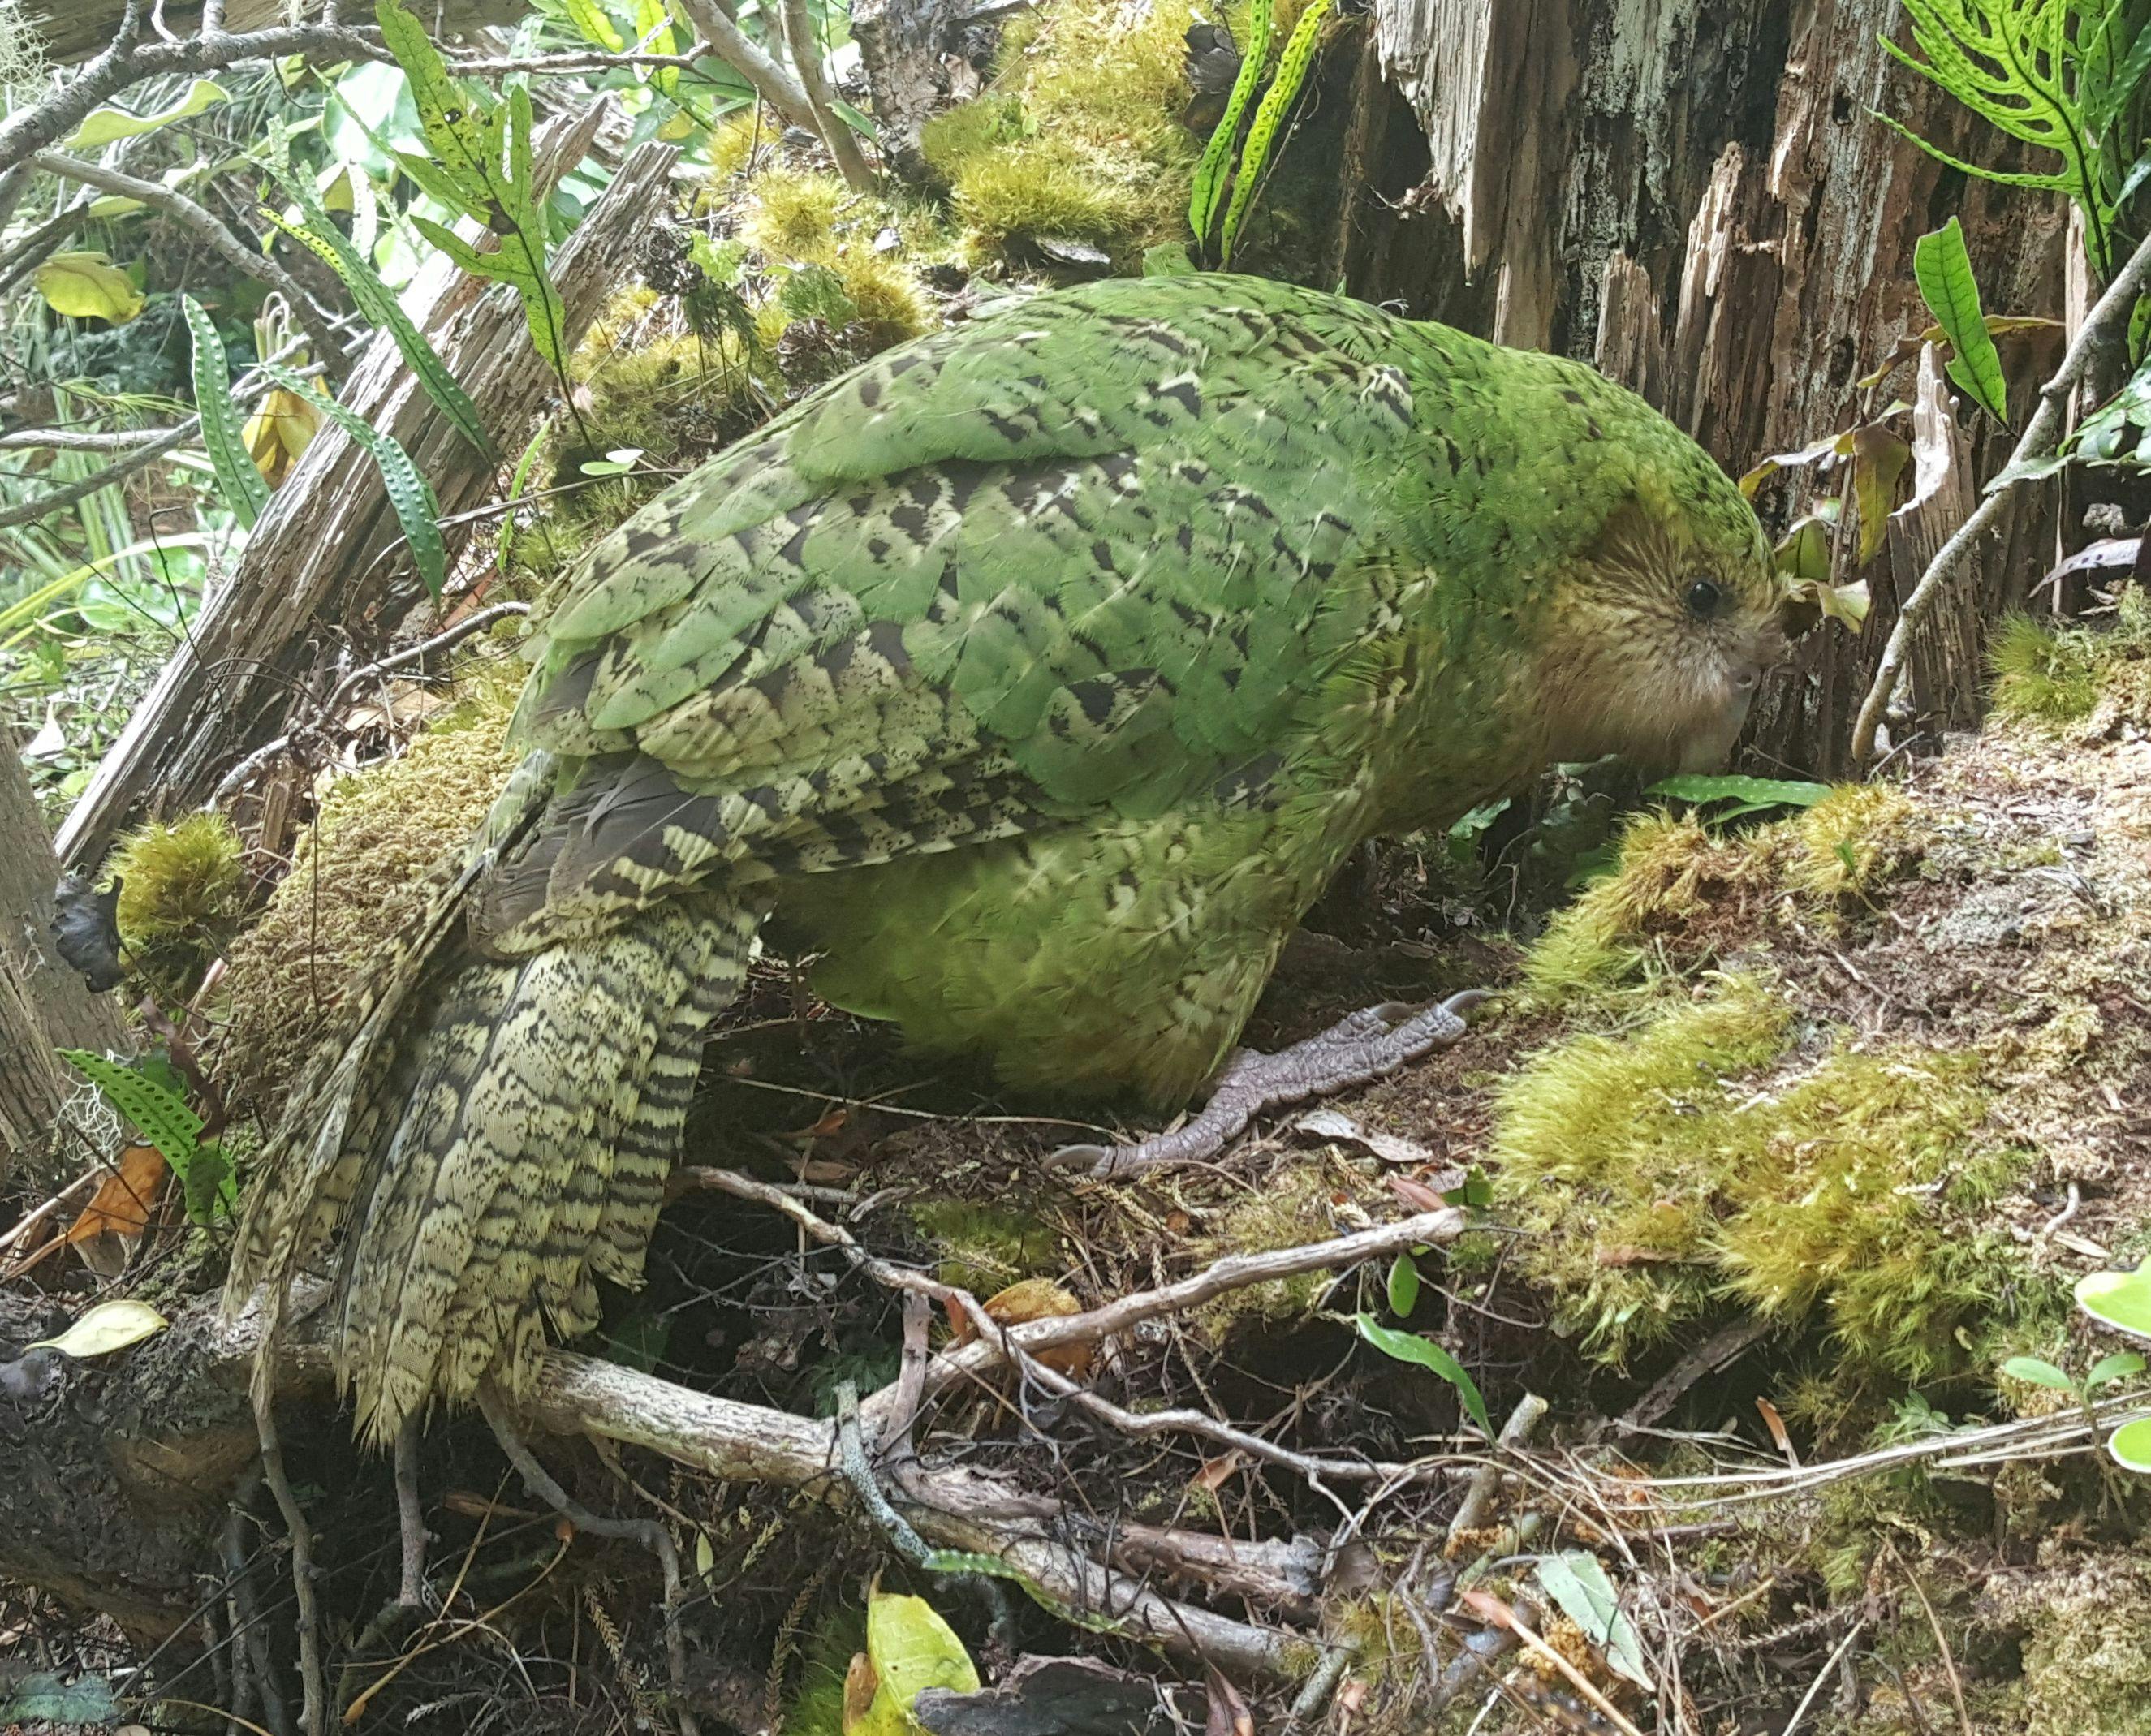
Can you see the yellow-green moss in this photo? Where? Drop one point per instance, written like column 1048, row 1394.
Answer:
column 182, row 887
column 2059, row 676
column 1659, row 875
column 791, row 215
column 1290, row 1210
column 1853, row 838
column 1671, row 1168
column 356, row 884
column 1079, row 138
column 986, row 1248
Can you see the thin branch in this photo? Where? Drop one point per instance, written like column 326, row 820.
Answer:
column 198, row 221
column 814, row 80
column 314, row 1715
column 124, row 62
column 772, row 83
column 2108, row 315
column 269, row 750
column 591, row 60
column 149, row 453
column 81, row 439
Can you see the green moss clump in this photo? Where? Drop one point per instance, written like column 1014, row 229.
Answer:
column 1662, row 874
column 2088, row 1652
column 2061, row 676
column 1666, row 1172
column 792, row 215
column 1852, row 840
column 182, row 889
column 1080, row 139
column 986, row 1248
column 358, row 883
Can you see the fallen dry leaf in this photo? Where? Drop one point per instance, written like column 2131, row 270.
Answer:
column 125, row 1197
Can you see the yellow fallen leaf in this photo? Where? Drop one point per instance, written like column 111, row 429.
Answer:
column 87, row 285
column 909, row 1648
column 278, row 432
column 109, row 1326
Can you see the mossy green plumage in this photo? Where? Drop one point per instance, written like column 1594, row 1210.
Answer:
column 1041, row 672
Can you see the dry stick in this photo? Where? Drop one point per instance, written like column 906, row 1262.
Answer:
column 314, row 1711
column 772, row 83
column 814, row 80
column 200, row 222
column 1523, row 1420
column 79, row 439
column 648, row 1532
column 441, row 641
column 997, row 1343
column 1814, row 1688
column 148, row 453
column 2107, row 314
column 1491, row 1610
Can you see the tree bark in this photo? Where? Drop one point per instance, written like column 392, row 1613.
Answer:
column 43, row 1004
column 1695, row 197
column 321, row 561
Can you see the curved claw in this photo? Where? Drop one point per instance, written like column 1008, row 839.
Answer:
column 1359, row 1049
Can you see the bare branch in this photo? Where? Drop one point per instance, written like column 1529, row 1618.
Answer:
column 199, row 222
column 772, row 83
column 813, row 79
column 81, row 439
column 125, row 62
column 59, row 499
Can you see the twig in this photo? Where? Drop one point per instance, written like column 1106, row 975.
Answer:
column 1941, row 1645
column 772, row 83
column 1708, row 1358
column 198, row 221
column 2109, row 313
column 269, row 750
column 314, row 1709
column 648, row 1532
column 1479, row 1496
column 1822, row 1675
column 59, row 499
column 814, row 81
column 1320, row 1686
column 1491, row 1609
column 78, row 439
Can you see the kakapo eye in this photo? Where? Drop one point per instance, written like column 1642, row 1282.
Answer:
column 1704, row 598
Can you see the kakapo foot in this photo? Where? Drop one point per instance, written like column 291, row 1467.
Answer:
column 1356, row 1051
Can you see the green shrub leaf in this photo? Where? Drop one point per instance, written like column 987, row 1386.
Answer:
column 2119, row 1299
column 1410, row 1347
column 2038, row 1373
column 1403, row 1285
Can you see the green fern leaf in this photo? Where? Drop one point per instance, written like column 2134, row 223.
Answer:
column 1210, row 172
column 1276, row 103
column 222, row 435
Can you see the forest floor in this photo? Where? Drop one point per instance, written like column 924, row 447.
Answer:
column 1778, row 1140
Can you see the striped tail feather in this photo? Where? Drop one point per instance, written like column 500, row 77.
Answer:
column 496, row 1140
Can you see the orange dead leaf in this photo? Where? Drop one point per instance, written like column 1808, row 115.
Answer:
column 1417, row 1195
column 1216, row 1472
column 1776, row 1424
column 1040, row 1298
column 125, row 1198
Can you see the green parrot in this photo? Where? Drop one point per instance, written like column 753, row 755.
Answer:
column 1040, row 672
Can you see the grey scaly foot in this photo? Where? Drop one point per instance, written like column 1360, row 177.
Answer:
column 1356, row 1051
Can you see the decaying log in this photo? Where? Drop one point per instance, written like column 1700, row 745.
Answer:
column 911, row 50
column 325, row 556
column 1698, row 199
column 43, row 1005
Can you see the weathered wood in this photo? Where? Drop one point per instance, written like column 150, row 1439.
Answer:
column 326, row 558
column 43, row 1005
column 908, row 48
column 1698, row 198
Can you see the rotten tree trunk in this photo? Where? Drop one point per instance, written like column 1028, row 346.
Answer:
column 1698, row 198
column 324, row 560
column 43, row 1005
column 915, row 52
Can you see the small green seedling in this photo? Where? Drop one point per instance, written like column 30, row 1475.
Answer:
column 2121, row 1302
column 1410, row 1347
